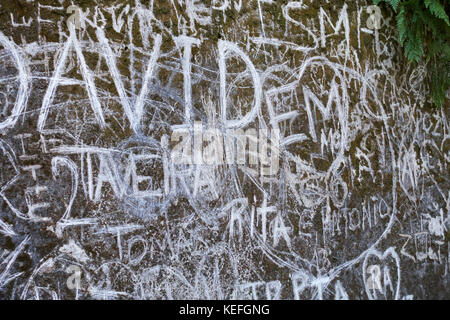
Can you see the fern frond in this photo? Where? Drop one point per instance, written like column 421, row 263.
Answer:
column 394, row 4
column 437, row 10
column 402, row 25
column 424, row 32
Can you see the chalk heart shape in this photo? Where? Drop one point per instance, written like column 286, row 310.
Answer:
column 383, row 257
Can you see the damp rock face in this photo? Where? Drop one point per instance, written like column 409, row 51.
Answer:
column 217, row 149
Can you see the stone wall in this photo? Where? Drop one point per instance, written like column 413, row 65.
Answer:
column 344, row 194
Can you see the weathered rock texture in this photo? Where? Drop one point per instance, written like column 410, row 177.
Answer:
column 93, row 205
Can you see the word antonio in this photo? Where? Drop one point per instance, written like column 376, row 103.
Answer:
column 211, row 146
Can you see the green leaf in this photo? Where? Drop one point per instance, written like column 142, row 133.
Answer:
column 401, row 25
column 394, row 4
column 424, row 33
column 437, row 9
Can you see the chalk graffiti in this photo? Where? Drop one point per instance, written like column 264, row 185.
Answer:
column 249, row 149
